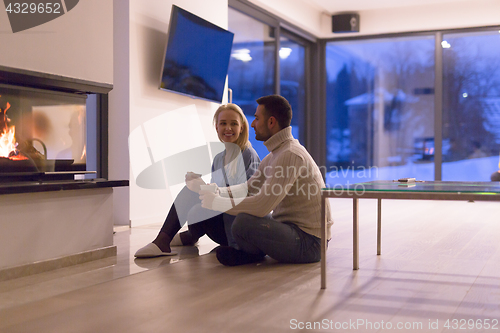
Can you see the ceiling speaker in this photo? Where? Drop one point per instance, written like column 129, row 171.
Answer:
column 345, row 23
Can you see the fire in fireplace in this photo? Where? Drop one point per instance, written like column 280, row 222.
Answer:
column 7, row 135
column 12, row 158
column 51, row 127
column 8, row 146
column 41, row 131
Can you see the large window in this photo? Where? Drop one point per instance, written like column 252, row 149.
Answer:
column 252, row 65
column 379, row 109
column 382, row 120
column 258, row 68
column 471, row 105
column 293, row 81
column 423, row 105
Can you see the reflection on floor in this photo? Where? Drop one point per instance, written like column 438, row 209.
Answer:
column 128, row 241
column 439, row 266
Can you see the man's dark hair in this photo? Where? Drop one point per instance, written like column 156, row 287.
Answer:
column 278, row 107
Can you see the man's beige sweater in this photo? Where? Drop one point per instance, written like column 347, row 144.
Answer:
column 288, row 182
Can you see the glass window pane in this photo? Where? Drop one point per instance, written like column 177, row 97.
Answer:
column 380, row 109
column 292, row 80
column 251, row 67
column 471, row 105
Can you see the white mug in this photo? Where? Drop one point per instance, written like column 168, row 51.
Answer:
column 209, row 187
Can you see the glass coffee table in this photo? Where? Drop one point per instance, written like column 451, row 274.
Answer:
column 380, row 189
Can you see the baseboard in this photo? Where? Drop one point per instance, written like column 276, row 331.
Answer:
column 52, row 264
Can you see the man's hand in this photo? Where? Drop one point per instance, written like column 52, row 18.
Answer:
column 191, row 175
column 207, row 199
column 193, row 182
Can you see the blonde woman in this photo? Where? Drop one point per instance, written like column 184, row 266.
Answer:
column 235, row 165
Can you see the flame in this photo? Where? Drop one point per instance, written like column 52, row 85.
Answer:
column 8, row 142
column 7, row 138
column 84, row 153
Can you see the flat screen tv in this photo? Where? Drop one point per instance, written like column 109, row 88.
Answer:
column 196, row 58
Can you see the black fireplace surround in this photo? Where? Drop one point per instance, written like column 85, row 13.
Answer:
column 53, row 133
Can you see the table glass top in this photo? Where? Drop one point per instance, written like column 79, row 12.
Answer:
column 486, row 188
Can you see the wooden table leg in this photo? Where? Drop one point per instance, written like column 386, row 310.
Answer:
column 379, row 226
column 323, row 242
column 355, row 233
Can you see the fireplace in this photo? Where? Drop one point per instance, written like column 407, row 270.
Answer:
column 51, row 127
column 53, row 172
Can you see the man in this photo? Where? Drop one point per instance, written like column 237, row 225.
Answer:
column 287, row 183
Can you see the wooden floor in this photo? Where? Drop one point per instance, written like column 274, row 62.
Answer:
column 439, row 264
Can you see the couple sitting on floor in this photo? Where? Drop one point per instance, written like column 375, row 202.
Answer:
column 237, row 215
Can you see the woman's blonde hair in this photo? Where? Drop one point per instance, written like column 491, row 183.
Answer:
column 242, row 140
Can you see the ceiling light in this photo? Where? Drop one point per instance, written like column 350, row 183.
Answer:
column 445, row 44
column 242, row 54
column 285, row 52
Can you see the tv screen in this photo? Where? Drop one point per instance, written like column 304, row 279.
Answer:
column 196, row 57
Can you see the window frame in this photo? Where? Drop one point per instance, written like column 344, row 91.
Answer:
column 313, row 132
column 310, row 42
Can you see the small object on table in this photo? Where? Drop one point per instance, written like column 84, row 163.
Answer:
column 406, row 180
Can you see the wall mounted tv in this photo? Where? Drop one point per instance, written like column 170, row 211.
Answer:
column 196, row 58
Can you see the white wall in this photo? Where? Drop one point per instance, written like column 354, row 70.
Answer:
column 55, row 224
column 457, row 14
column 298, row 12
column 419, row 18
column 148, row 32
column 78, row 44
column 119, row 111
